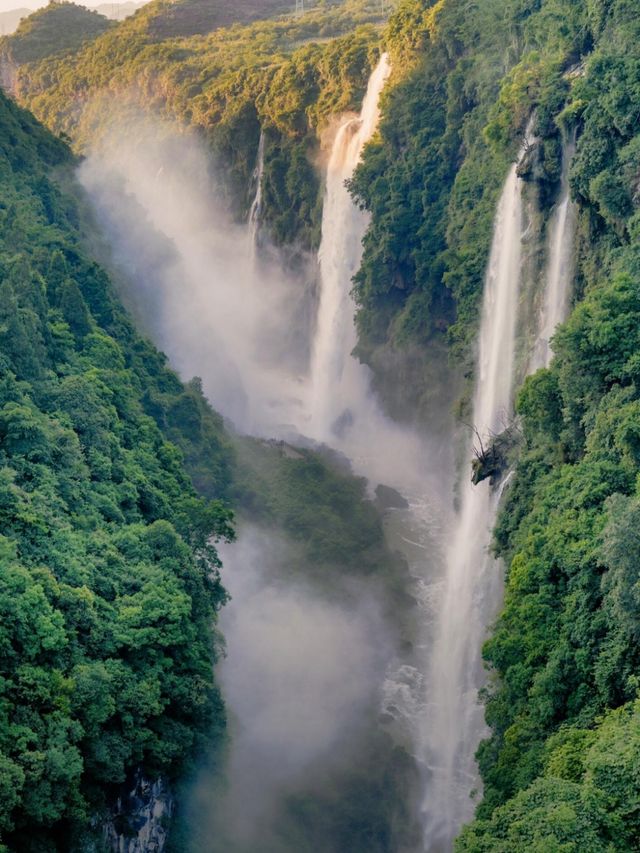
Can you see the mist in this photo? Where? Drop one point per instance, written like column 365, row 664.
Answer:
column 191, row 276
column 301, row 677
column 324, row 706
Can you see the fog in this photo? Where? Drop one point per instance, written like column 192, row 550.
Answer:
column 191, row 277
column 300, row 679
column 322, row 704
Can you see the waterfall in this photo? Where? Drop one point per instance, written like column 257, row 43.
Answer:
column 338, row 382
column 255, row 210
column 454, row 722
column 559, row 265
column 194, row 280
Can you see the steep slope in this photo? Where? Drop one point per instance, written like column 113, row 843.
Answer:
column 108, row 581
column 432, row 180
column 560, row 767
column 56, row 28
column 557, row 769
column 565, row 648
column 191, row 17
column 285, row 75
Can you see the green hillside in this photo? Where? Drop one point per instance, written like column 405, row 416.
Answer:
column 287, row 75
column 115, row 479
column 108, row 583
column 191, row 17
column 56, row 28
column 560, row 768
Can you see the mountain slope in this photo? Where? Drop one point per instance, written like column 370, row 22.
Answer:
column 56, row 28
column 191, row 17
column 286, row 76
column 108, row 583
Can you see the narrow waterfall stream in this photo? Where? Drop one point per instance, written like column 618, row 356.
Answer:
column 345, row 413
column 454, row 722
column 342, row 408
column 256, row 205
column 558, row 272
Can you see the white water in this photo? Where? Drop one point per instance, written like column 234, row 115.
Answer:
column 342, row 409
column 454, row 722
column 559, row 267
column 222, row 318
column 338, row 383
column 256, row 206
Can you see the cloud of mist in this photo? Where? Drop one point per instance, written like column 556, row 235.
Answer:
column 304, row 676
column 243, row 324
column 192, row 277
column 302, row 672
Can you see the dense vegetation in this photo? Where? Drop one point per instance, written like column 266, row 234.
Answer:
column 285, row 76
column 191, row 17
column 314, row 499
column 56, row 28
column 335, row 531
column 561, row 768
column 451, row 121
column 468, row 77
column 325, row 538
column 108, row 581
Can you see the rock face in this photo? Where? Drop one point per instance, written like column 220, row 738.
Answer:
column 7, row 75
column 388, row 498
column 139, row 821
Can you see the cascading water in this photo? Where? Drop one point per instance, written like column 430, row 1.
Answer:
column 256, row 206
column 559, row 268
column 345, row 413
column 339, row 384
column 342, row 409
column 454, row 721
column 221, row 315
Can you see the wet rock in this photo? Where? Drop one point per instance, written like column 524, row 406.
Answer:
column 388, row 498
column 140, row 818
column 493, row 461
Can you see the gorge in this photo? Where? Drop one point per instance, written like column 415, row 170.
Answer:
column 361, row 573
column 457, row 586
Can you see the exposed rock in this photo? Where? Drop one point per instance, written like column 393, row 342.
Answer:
column 388, row 498
column 8, row 70
column 530, row 163
column 343, row 423
column 140, row 818
column 283, row 447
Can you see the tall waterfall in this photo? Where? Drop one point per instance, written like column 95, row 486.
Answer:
column 256, row 206
column 454, row 721
column 337, row 380
column 559, row 265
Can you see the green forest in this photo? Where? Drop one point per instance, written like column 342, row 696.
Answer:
column 109, row 576
column 118, row 480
